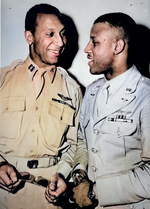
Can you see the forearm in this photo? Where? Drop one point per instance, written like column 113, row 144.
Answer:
column 76, row 157
column 65, row 164
column 81, row 157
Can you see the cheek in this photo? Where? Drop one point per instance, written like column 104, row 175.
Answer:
column 98, row 54
column 41, row 42
column 41, row 46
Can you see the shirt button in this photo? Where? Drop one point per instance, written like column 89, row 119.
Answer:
column 93, row 169
column 131, row 206
column 36, row 108
column 96, row 132
column 94, row 150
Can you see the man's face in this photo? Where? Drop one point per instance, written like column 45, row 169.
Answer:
column 100, row 49
column 48, row 40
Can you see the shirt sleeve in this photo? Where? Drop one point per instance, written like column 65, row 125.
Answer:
column 81, row 157
column 73, row 157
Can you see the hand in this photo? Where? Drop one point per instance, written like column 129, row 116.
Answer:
column 56, row 188
column 8, row 176
column 81, row 194
column 84, row 195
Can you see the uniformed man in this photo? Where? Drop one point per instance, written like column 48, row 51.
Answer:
column 115, row 116
column 40, row 105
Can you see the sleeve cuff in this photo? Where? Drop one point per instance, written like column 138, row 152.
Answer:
column 64, row 168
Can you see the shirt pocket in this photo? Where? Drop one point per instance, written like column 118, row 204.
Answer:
column 60, row 116
column 118, row 143
column 11, row 113
column 119, row 129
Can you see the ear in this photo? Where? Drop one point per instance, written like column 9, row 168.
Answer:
column 29, row 37
column 119, row 46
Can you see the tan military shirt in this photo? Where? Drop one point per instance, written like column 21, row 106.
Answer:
column 33, row 124
column 38, row 117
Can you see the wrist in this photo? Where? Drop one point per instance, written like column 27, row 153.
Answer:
column 91, row 193
column 78, row 176
column 61, row 176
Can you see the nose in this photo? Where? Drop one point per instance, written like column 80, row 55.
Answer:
column 87, row 48
column 58, row 40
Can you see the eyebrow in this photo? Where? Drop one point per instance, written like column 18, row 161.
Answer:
column 62, row 29
column 49, row 28
column 92, row 37
column 54, row 29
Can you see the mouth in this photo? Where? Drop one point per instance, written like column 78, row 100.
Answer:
column 91, row 60
column 55, row 52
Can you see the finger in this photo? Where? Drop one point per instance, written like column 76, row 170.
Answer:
column 58, row 192
column 49, row 198
column 53, row 182
column 48, row 190
column 12, row 174
column 1, row 180
column 5, row 179
column 49, row 194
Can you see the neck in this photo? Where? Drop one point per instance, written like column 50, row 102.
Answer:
column 38, row 60
column 43, row 65
column 118, row 67
column 115, row 71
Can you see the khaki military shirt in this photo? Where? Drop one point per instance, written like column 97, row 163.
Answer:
column 36, row 125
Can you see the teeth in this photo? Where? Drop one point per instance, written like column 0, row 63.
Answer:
column 56, row 52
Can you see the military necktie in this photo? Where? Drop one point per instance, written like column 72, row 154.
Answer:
column 102, row 98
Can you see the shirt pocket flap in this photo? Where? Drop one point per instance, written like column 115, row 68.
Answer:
column 62, row 112
column 13, row 104
column 119, row 129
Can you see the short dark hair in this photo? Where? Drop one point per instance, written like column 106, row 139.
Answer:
column 31, row 16
column 127, row 29
column 120, row 21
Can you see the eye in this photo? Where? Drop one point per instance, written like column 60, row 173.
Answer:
column 63, row 36
column 94, row 43
column 51, row 34
column 63, row 33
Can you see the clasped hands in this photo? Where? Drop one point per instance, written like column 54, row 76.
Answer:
column 56, row 188
column 10, row 179
column 83, row 195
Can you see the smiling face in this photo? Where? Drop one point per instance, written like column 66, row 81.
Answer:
column 100, row 48
column 48, row 40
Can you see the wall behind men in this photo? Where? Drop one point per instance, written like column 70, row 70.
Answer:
column 82, row 12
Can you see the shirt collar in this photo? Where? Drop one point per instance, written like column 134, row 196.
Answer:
column 33, row 69
column 117, row 82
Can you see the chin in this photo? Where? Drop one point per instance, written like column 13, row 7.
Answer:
column 52, row 62
column 93, row 71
